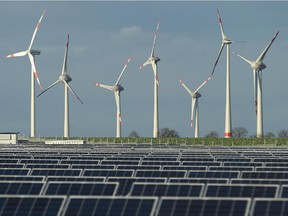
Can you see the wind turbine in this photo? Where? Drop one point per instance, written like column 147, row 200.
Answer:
column 153, row 61
column 31, row 54
column 226, row 41
column 194, row 108
column 117, row 88
column 257, row 67
column 65, row 79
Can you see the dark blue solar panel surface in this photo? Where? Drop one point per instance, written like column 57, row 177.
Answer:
column 55, row 172
column 20, row 188
column 213, row 174
column 14, row 171
column 160, row 173
column 110, row 206
column 30, row 205
column 270, row 207
column 81, row 188
column 203, row 207
column 166, row 189
column 99, row 172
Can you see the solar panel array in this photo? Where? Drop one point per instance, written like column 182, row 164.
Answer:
column 142, row 179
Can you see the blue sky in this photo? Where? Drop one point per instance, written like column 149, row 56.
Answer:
column 102, row 37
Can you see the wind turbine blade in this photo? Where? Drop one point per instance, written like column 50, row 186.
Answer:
column 219, row 54
column 154, row 40
column 204, row 83
column 144, row 64
column 221, row 25
column 53, row 84
column 35, row 31
column 64, row 68
column 154, row 67
column 187, row 89
column 72, row 91
column 255, row 80
column 31, row 58
column 125, row 66
column 246, row 60
column 117, row 99
column 192, row 111
column 18, row 54
column 105, row 86
column 261, row 57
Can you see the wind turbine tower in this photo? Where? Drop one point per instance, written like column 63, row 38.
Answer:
column 257, row 67
column 117, row 88
column 153, row 61
column 226, row 41
column 31, row 54
column 65, row 79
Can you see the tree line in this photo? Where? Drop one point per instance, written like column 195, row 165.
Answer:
column 238, row 132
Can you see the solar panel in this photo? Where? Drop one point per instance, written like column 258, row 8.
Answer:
column 90, row 166
column 162, row 163
column 3, row 161
column 253, row 164
column 135, row 167
column 238, row 159
column 197, row 159
column 31, row 205
column 191, row 163
column 213, row 174
column 269, row 207
column 94, row 162
column 51, row 157
column 39, row 161
column 107, row 172
column 203, row 168
column 199, row 180
column 161, row 173
column 265, row 175
column 124, row 157
column 259, row 181
column 110, row 206
column 55, row 172
column 58, row 166
column 231, row 168
column 235, row 190
column 14, row 171
column 272, row 169
column 276, row 164
column 284, row 191
column 125, row 184
column 117, row 162
column 166, row 189
column 11, row 165
column 81, row 188
column 164, row 158
column 265, row 159
column 21, row 178
column 20, row 187
column 75, row 178
column 169, row 206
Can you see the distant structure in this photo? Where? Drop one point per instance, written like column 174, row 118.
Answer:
column 153, row 61
column 257, row 67
column 117, row 88
column 194, row 107
column 65, row 79
column 9, row 138
column 31, row 54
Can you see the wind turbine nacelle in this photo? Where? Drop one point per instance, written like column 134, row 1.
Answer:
column 65, row 77
column 258, row 66
column 155, row 58
column 35, row 52
column 117, row 88
column 196, row 95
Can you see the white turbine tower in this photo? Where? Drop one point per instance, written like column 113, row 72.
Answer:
column 65, row 79
column 194, row 108
column 117, row 88
column 226, row 41
column 31, row 54
column 153, row 61
column 257, row 67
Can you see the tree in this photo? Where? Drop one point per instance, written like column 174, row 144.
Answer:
column 134, row 134
column 283, row 134
column 212, row 134
column 240, row 132
column 269, row 135
column 168, row 133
